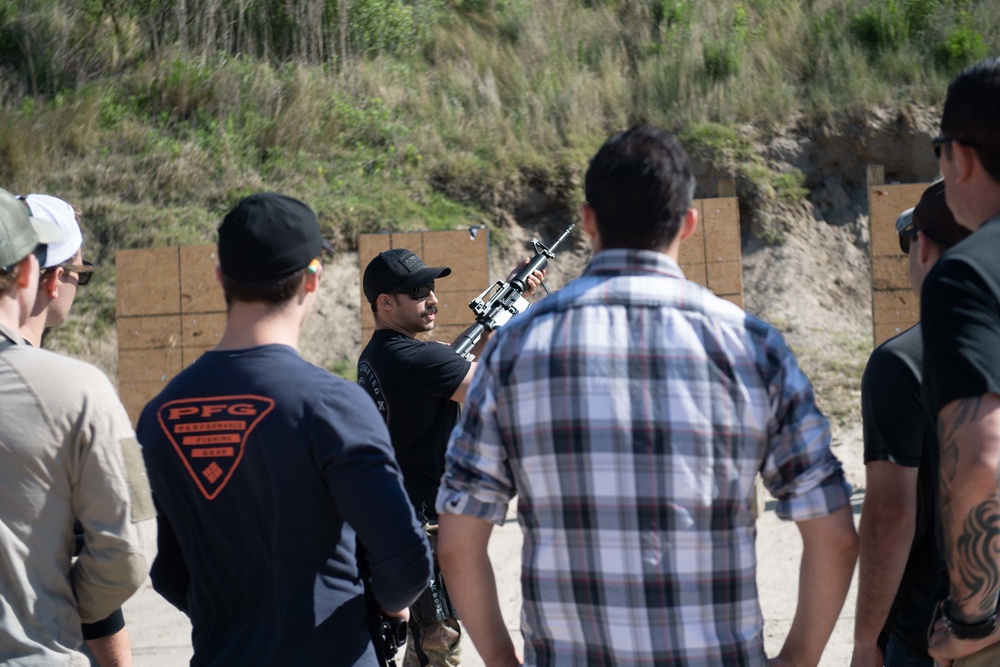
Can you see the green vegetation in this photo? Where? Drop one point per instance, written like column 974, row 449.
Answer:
column 155, row 116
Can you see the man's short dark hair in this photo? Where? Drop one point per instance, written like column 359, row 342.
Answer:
column 271, row 291
column 971, row 111
column 640, row 185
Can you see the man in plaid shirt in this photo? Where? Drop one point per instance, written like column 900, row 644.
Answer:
column 632, row 411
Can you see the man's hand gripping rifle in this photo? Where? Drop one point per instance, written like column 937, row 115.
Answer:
column 503, row 299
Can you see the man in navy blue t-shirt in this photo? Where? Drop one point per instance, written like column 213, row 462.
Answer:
column 267, row 471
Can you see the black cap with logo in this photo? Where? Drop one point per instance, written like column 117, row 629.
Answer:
column 398, row 269
column 269, row 236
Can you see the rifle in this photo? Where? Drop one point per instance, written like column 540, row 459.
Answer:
column 503, row 299
column 388, row 634
column 393, row 636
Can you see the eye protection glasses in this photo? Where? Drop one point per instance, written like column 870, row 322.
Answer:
column 938, row 142
column 84, row 272
column 906, row 237
column 418, row 293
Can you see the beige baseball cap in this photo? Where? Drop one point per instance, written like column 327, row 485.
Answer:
column 20, row 232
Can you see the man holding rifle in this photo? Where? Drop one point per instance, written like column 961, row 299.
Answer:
column 418, row 386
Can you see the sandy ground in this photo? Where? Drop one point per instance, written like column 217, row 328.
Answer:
column 161, row 635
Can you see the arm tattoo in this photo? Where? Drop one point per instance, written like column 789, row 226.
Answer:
column 965, row 410
column 977, row 549
column 972, row 555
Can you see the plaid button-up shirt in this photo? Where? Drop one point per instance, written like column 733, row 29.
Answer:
column 631, row 411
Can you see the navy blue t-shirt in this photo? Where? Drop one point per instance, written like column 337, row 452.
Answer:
column 265, row 468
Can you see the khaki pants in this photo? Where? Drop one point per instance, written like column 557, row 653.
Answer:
column 988, row 657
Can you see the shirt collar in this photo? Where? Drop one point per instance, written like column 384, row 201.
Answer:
column 624, row 260
column 11, row 334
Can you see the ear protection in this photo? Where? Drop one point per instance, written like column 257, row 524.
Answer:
column 313, row 267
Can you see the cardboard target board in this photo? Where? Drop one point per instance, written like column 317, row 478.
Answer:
column 712, row 257
column 170, row 309
column 895, row 308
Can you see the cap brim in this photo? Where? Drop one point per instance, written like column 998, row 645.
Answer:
column 328, row 246
column 904, row 220
column 46, row 230
column 426, row 276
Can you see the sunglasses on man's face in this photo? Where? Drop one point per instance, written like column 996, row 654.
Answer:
column 938, row 142
column 418, row 293
column 84, row 272
column 906, row 237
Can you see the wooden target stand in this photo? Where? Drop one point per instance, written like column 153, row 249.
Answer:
column 712, row 257
column 170, row 308
column 895, row 308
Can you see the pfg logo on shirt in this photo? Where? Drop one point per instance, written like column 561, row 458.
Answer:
column 210, row 435
column 368, row 379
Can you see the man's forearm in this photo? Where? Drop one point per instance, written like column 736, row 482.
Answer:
column 888, row 523
column 886, row 539
column 467, row 569
column 112, row 651
column 829, row 551
column 969, row 434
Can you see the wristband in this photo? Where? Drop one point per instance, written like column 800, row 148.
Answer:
column 962, row 630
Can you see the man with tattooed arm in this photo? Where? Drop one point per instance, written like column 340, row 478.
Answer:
column 960, row 311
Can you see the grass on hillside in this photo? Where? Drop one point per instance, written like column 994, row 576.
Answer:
column 428, row 114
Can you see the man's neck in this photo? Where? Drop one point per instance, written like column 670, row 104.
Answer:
column 984, row 205
column 255, row 324
column 33, row 329
column 390, row 326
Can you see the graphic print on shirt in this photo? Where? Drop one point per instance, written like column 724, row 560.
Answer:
column 368, row 379
column 210, row 435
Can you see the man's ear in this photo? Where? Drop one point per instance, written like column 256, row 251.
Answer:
column 689, row 223
column 927, row 252
column 50, row 281
column 965, row 159
column 384, row 302
column 24, row 272
column 312, row 280
column 588, row 220
column 218, row 275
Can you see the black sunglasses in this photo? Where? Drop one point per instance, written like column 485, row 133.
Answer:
column 906, row 237
column 418, row 293
column 41, row 251
column 938, row 142
column 84, row 272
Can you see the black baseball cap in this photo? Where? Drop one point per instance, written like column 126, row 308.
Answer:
column 932, row 216
column 397, row 269
column 267, row 237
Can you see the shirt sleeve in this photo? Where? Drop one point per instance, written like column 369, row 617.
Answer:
column 477, row 479
column 799, row 469
column 105, row 628
column 170, row 575
column 891, row 410
column 353, row 451
column 437, row 370
column 114, row 505
column 960, row 317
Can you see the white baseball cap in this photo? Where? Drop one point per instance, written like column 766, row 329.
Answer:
column 52, row 208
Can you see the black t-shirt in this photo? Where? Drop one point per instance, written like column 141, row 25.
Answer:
column 897, row 428
column 412, row 383
column 960, row 311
